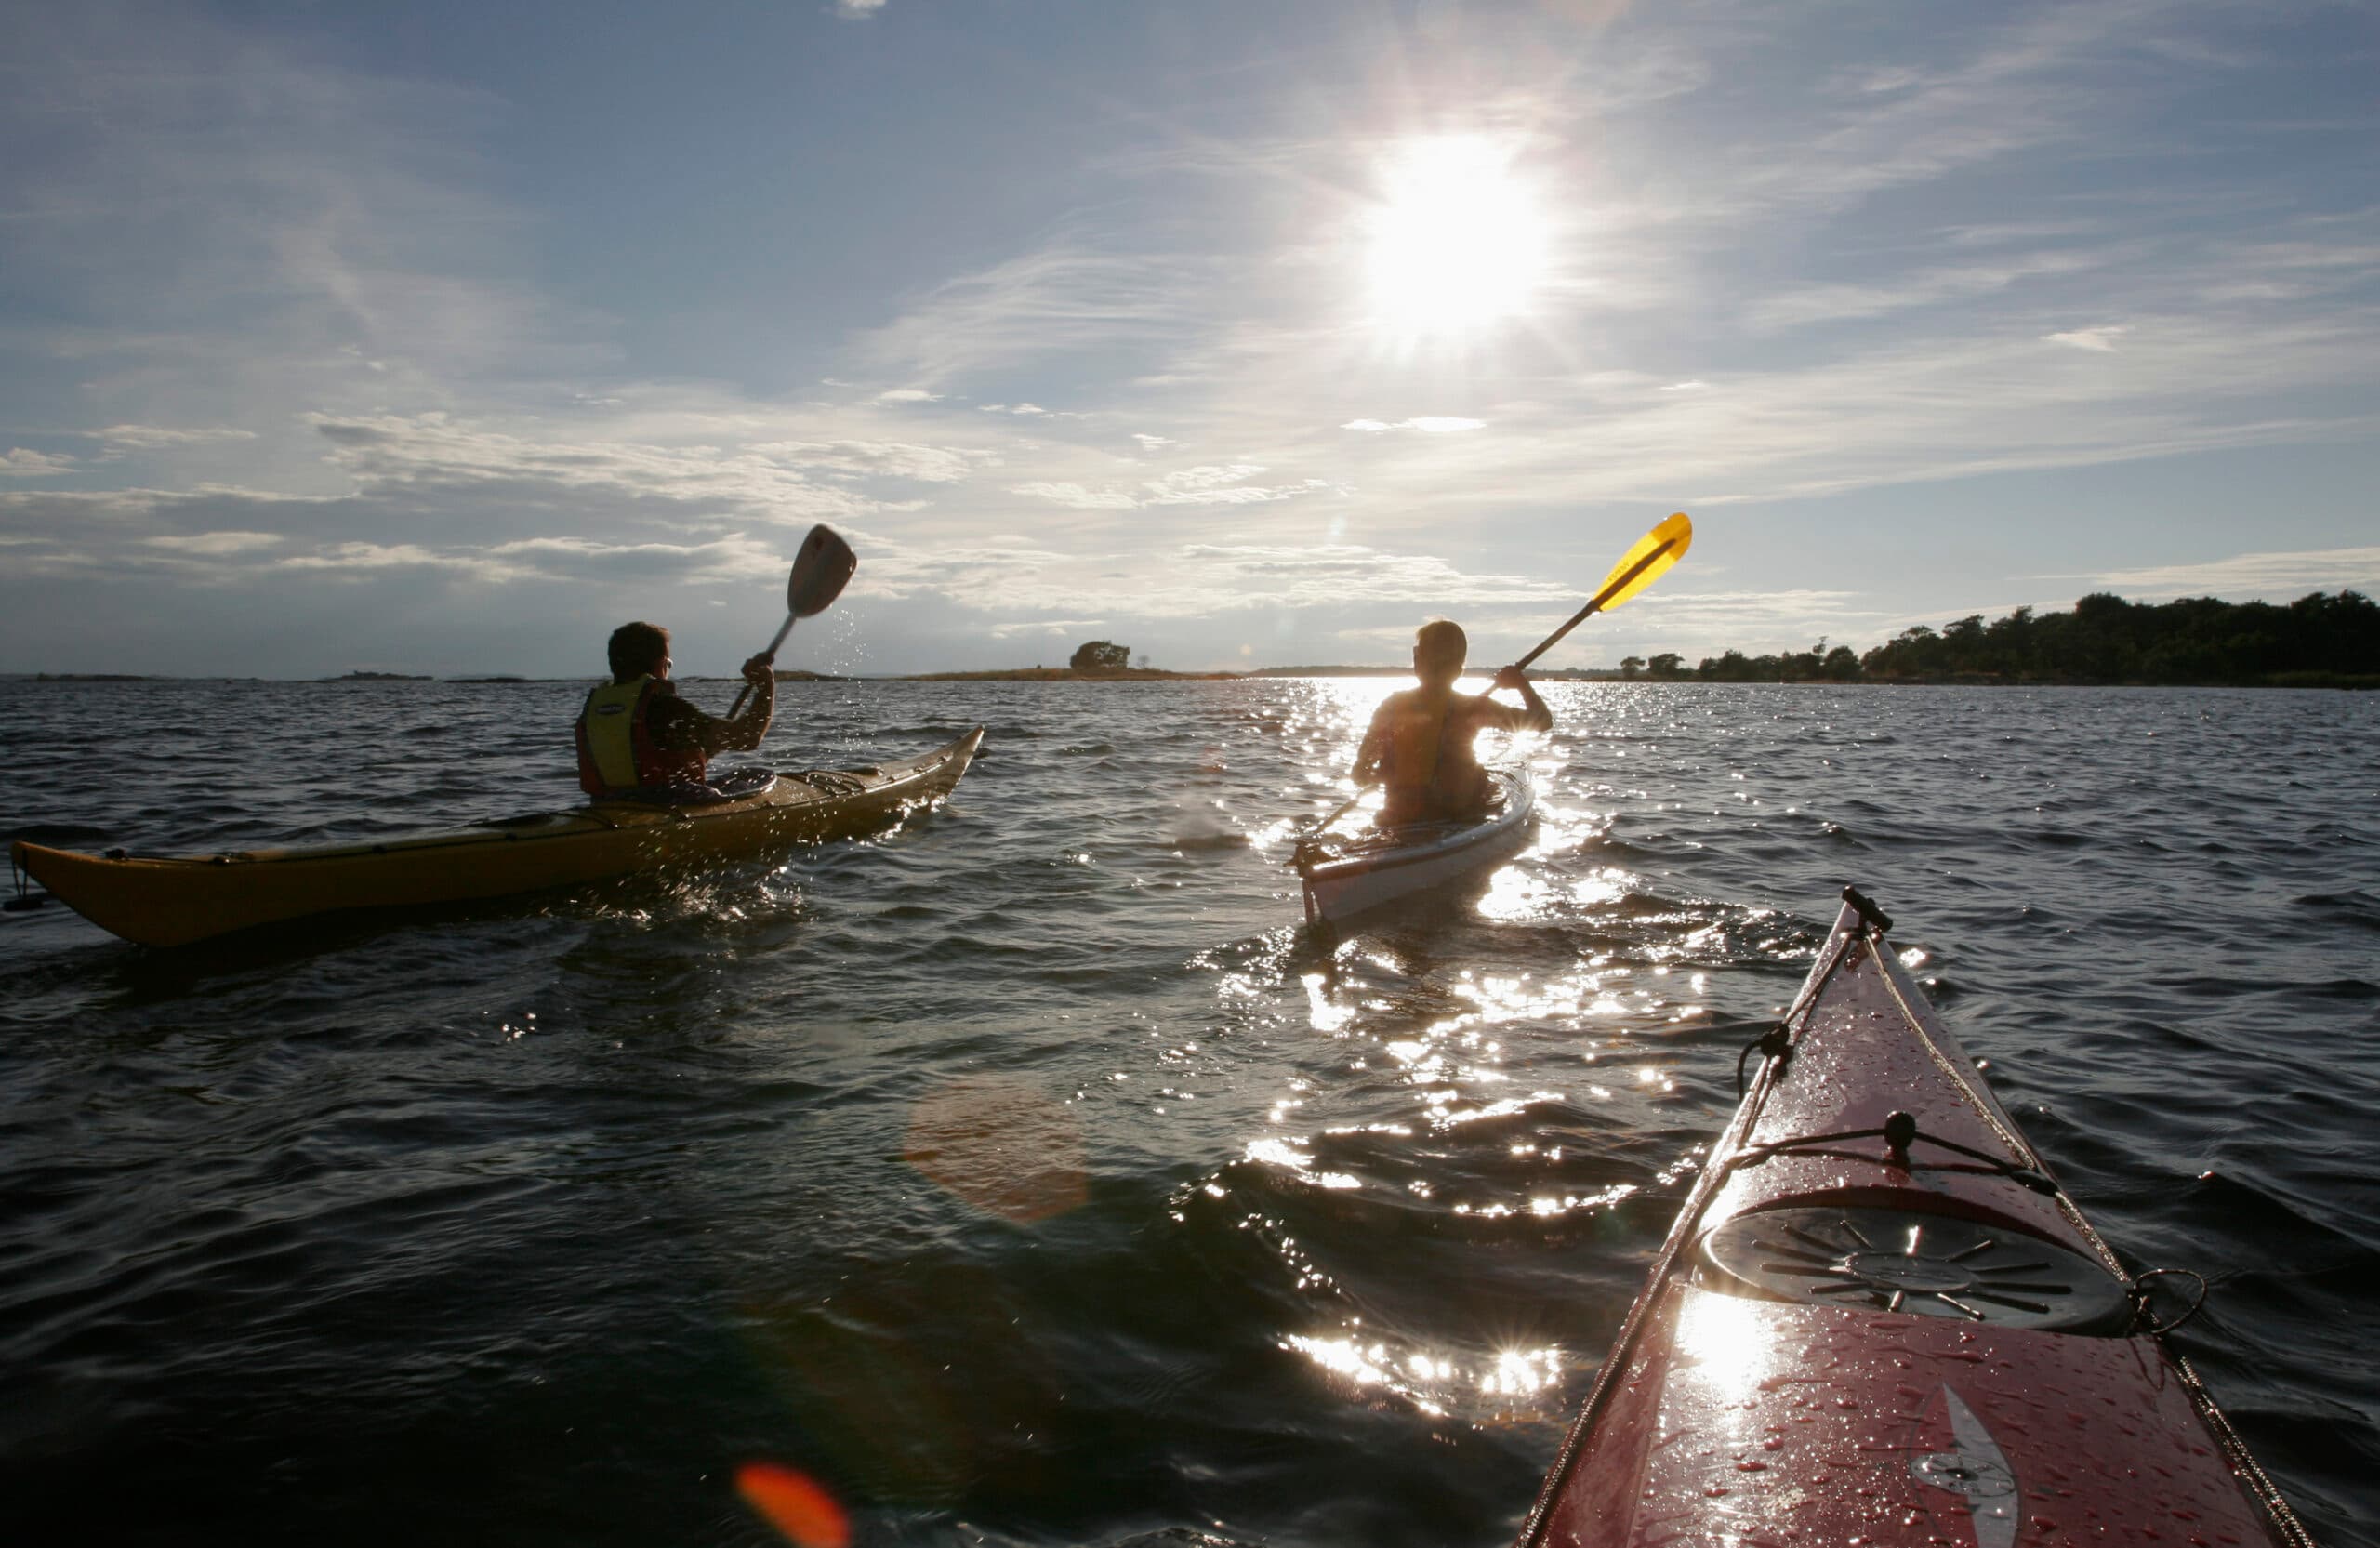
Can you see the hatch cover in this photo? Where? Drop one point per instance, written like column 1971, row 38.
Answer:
column 1907, row 1261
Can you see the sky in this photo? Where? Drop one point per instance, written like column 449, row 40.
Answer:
column 443, row 337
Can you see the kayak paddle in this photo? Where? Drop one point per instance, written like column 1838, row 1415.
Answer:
column 1638, row 568
column 820, row 571
column 1296, row 845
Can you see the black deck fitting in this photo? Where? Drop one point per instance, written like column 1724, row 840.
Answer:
column 1864, row 906
column 1900, row 1130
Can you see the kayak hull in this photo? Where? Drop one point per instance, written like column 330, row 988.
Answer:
column 1372, row 870
column 1879, row 1320
column 165, row 902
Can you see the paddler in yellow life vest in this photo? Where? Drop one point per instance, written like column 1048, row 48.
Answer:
column 637, row 738
column 1418, row 744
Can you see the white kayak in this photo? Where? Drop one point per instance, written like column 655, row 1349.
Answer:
column 1346, row 875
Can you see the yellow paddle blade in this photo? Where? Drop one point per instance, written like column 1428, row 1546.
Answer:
column 1644, row 563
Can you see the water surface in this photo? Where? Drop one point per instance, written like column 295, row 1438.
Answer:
column 1027, row 1176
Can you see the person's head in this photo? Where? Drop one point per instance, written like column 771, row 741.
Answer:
column 1439, row 650
column 638, row 650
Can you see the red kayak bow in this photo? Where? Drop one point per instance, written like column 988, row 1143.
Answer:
column 1880, row 1321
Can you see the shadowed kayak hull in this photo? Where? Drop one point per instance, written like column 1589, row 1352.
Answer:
column 1879, row 1320
column 1347, row 877
column 172, row 902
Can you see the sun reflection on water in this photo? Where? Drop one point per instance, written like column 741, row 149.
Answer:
column 1432, row 1380
column 1455, row 1073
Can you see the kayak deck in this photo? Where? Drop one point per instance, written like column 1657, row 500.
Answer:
column 1878, row 1319
column 1352, row 874
column 174, row 900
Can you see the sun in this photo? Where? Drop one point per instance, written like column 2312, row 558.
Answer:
column 1457, row 241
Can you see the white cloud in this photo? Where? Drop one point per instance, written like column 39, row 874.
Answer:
column 1339, row 574
column 908, row 395
column 351, row 558
column 20, row 463
column 1210, row 484
column 154, row 437
column 382, row 452
column 1805, row 305
column 1079, row 498
column 1428, row 424
column 1071, row 295
column 215, row 543
column 2102, row 338
column 2277, row 578
column 855, row 10
column 257, row 227
column 1045, row 626
column 880, row 458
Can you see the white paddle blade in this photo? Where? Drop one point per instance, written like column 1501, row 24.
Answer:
column 820, row 571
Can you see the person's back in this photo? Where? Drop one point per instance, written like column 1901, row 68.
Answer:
column 1420, row 744
column 637, row 738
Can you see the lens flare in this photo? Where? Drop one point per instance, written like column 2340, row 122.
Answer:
column 795, row 1505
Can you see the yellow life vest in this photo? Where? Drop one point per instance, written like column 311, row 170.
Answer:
column 615, row 747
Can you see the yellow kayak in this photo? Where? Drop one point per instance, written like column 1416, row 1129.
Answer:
column 170, row 902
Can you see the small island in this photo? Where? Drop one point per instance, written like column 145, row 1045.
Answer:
column 1094, row 661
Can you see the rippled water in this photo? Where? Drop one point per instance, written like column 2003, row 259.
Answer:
column 1027, row 1177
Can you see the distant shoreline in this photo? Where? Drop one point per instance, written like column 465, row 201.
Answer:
column 2346, row 681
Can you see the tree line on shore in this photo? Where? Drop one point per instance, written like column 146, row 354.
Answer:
column 2317, row 639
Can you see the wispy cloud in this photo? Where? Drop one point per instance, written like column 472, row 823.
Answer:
column 2102, row 338
column 877, row 458
column 328, row 236
column 388, row 452
column 148, row 437
column 1428, row 424
column 2243, row 578
column 1069, row 297
column 1810, row 304
column 1200, row 485
column 20, row 463
column 1046, row 625
column 1076, row 497
column 216, row 543
column 348, row 559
